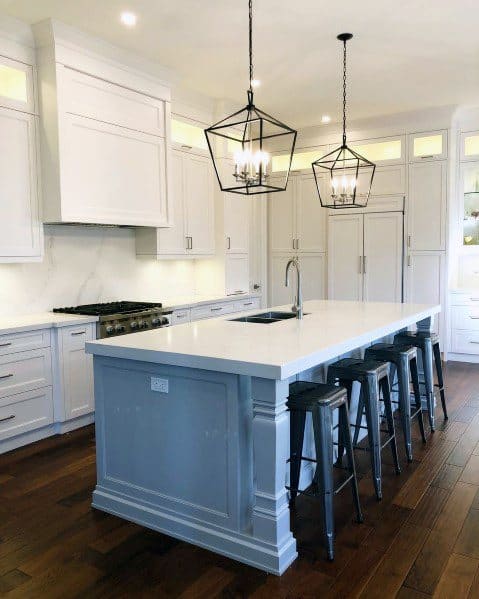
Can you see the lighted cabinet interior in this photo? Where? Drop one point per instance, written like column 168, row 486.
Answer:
column 470, row 190
column 470, row 145
column 380, row 151
column 431, row 145
column 188, row 135
column 16, row 89
column 301, row 160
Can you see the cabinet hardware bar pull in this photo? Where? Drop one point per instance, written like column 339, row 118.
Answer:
column 186, row 146
column 79, row 333
column 409, row 260
column 428, row 156
column 6, row 376
column 294, row 244
column 475, row 342
column 181, row 316
column 360, row 265
column 408, row 241
column 229, row 243
column 364, row 264
column 474, row 299
column 191, row 243
column 5, row 344
column 216, row 309
column 7, row 418
column 297, row 244
column 474, row 317
column 251, row 303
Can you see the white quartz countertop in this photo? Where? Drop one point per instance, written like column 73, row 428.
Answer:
column 278, row 350
column 190, row 301
column 44, row 320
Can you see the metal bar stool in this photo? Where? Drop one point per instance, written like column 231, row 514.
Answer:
column 403, row 359
column 373, row 376
column 428, row 344
column 321, row 401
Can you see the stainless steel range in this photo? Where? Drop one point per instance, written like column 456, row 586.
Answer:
column 121, row 318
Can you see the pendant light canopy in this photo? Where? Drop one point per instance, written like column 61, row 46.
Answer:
column 249, row 138
column 349, row 175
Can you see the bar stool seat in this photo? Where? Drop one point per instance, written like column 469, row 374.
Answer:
column 321, row 400
column 373, row 377
column 428, row 344
column 403, row 359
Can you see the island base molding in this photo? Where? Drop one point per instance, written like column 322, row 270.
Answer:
column 241, row 547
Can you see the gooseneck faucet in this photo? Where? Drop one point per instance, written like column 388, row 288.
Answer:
column 298, row 300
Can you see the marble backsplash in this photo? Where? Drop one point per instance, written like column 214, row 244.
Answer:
column 90, row 264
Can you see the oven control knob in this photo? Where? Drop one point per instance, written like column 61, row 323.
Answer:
column 110, row 329
column 133, row 325
column 155, row 321
column 164, row 321
column 119, row 328
column 145, row 324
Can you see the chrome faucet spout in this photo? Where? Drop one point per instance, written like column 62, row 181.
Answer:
column 298, row 300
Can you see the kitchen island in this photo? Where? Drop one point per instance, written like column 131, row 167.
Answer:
column 192, row 428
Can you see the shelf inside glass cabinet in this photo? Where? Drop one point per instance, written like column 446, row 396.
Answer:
column 471, row 218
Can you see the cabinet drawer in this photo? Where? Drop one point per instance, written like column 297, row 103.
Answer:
column 465, row 342
column 97, row 99
column 24, row 341
column 212, row 310
column 252, row 303
column 25, row 371
column 180, row 316
column 25, row 412
column 465, row 318
column 465, row 299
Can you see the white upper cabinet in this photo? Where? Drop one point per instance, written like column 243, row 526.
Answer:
column 192, row 195
column 105, row 150
column 20, row 235
column 383, row 151
column 430, row 145
column 469, row 145
column 297, row 222
column 237, row 217
column 427, row 206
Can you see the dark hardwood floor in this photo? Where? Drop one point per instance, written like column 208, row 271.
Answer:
column 421, row 540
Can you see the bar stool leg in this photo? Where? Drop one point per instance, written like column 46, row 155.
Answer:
column 405, row 404
column 417, row 397
column 440, row 379
column 297, row 421
column 348, row 385
column 370, row 392
column 429, row 381
column 323, row 438
column 346, row 434
column 390, row 421
column 359, row 416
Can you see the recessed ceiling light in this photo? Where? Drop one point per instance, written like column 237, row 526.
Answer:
column 128, row 19
column 325, row 119
column 255, row 82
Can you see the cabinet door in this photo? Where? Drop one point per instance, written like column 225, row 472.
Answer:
column 77, row 371
column 427, row 206
column 19, row 220
column 281, row 219
column 237, row 215
column 279, row 294
column 345, row 252
column 237, row 273
column 383, row 257
column 313, row 270
column 173, row 240
column 310, row 216
column 16, row 85
column 425, row 280
column 199, row 201
column 112, row 175
column 428, row 146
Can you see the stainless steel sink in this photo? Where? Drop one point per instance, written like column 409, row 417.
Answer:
column 266, row 317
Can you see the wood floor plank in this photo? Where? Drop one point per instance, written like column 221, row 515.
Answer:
column 447, row 477
column 468, row 540
column 470, row 474
column 457, row 577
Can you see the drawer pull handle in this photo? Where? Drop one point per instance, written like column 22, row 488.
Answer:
column 6, row 376
column 474, row 342
column 79, row 333
column 474, row 299
column 428, row 157
column 474, row 317
column 248, row 304
column 216, row 309
column 5, row 344
column 7, row 418
column 181, row 316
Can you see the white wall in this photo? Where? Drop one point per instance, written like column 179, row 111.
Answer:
column 90, row 264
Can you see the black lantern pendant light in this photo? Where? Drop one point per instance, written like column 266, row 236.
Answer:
column 250, row 137
column 350, row 175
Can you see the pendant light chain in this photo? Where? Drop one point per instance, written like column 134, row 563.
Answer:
column 344, row 94
column 251, row 50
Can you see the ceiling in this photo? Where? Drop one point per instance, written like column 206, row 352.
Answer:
column 405, row 55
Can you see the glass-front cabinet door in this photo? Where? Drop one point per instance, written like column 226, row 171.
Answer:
column 431, row 145
column 470, row 212
column 16, row 85
column 469, row 145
